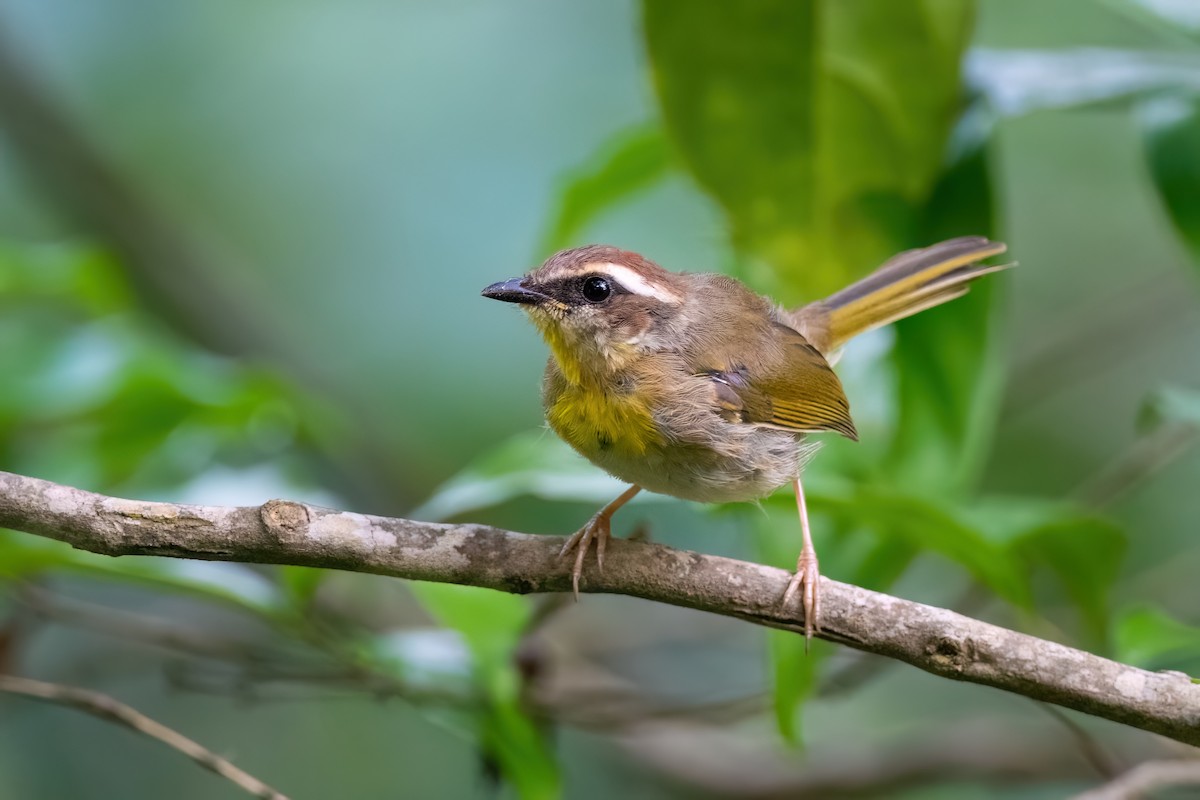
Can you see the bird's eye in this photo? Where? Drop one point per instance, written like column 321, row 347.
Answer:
column 596, row 289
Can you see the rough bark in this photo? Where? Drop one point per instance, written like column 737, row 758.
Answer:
column 283, row 532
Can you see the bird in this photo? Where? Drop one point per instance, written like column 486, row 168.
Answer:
column 695, row 386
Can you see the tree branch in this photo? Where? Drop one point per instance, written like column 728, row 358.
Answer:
column 105, row 707
column 282, row 532
column 1147, row 777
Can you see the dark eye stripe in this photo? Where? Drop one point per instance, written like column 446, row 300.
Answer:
column 570, row 290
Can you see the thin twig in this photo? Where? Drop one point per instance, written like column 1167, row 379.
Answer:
column 1089, row 746
column 1144, row 458
column 718, row 763
column 105, row 707
column 281, row 532
column 1147, row 777
column 140, row 628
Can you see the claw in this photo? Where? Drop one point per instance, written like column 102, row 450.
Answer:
column 601, row 543
column 807, row 582
column 597, row 529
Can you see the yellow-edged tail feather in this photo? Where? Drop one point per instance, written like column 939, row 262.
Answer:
column 909, row 282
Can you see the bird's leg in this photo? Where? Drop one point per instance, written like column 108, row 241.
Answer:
column 597, row 528
column 807, row 577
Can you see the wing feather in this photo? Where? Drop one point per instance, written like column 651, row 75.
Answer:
column 797, row 391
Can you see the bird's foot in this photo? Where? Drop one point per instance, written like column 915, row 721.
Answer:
column 598, row 530
column 806, row 581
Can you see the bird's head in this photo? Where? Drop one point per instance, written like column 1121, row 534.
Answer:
column 598, row 306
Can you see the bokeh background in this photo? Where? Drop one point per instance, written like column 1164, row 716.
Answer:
column 241, row 249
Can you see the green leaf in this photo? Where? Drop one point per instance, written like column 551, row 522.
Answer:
column 1019, row 82
column 805, row 122
column 107, row 398
column 491, row 623
column 1171, row 130
column 23, row 556
column 1170, row 404
column 949, row 379
column 794, row 671
column 885, row 563
column 535, row 463
column 301, row 584
column 1171, row 21
column 1150, row 638
column 628, row 163
column 522, row 752
column 1086, row 554
column 927, row 525
column 434, row 660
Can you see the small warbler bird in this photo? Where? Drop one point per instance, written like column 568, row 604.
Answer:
column 692, row 385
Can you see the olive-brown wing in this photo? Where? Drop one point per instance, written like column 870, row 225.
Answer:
column 793, row 388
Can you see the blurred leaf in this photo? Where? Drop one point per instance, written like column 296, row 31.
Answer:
column 1171, row 129
column 628, row 163
column 1019, row 82
column 521, row 751
column 804, row 121
column 885, row 563
column 491, row 623
column 23, row 556
column 435, row 660
column 535, row 463
column 1176, row 21
column 928, row 526
column 1170, row 404
column 108, row 398
column 1085, row 553
column 795, row 673
column 949, row 380
column 301, row 584
column 1149, row 638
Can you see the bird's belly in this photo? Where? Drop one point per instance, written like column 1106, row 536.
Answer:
column 746, row 466
column 700, row 456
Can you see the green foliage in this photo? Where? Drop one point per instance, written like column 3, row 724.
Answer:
column 930, row 526
column 491, row 623
column 949, row 378
column 629, row 162
column 1085, row 553
column 795, row 666
column 831, row 135
column 301, row 584
column 107, row 397
column 805, row 122
column 24, row 558
column 1170, row 405
column 1150, row 638
column 795, row 670
column 534, row 463
column 1172, row 136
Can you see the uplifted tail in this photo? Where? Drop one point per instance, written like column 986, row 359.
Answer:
column 909, row 282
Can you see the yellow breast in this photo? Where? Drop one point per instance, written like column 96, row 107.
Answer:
column 596, row 422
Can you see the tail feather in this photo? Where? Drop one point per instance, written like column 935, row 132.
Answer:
column 908, row 283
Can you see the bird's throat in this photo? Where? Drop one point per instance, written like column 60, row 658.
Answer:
column 580, row 364
column 586, row 410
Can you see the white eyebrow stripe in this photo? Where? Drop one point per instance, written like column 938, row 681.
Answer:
column 635, row 283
